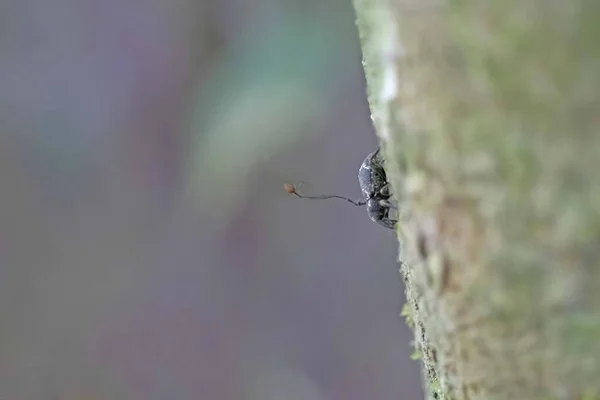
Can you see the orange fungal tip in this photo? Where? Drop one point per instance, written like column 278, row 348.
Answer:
column 289, row 188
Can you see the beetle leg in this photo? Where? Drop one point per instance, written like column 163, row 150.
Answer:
column 385, row 189
column 385, row 219
column 388, row 223
column 388, row 204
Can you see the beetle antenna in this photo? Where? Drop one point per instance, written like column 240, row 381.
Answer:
column 291, row 189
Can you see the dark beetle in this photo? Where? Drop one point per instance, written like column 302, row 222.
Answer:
column 374, row 187
column 376, row 190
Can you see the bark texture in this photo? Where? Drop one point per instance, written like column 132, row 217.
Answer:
column 489, row 115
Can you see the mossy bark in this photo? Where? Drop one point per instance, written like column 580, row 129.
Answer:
column 489, row 116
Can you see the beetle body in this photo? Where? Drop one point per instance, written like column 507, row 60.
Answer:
column 374, row 186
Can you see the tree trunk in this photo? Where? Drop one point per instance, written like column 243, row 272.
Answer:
column 488, row 113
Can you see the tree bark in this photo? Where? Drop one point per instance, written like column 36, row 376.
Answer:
column 488, row 113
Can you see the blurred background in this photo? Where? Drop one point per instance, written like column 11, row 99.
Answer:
column 147, row 247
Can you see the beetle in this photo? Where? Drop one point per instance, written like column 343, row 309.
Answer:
column 375, row 189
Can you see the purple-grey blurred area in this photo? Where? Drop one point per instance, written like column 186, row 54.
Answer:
column 147, row 247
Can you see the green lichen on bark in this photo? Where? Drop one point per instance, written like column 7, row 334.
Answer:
column 488, row 113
